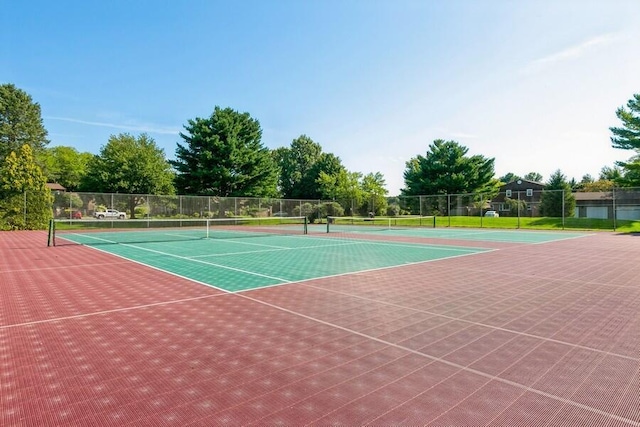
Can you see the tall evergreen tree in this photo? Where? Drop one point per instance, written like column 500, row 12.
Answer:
column 627, row 137
column 446, row 169
column 223, row 155
column 631, row 172
column 557, row 197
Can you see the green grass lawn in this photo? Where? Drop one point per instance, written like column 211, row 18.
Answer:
column 544, row 223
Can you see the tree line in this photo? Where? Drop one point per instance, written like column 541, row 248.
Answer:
column 223, row 155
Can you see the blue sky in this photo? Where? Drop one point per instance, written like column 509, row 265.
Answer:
column 531, row 83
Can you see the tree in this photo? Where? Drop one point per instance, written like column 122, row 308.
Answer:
column 223, row 156
column 610, row 173
column 586, row 180
column 129, row 165
column 20, row 122
column 516, row 207
column 630, row 172
column 627, row 137
column 373, row 188
column 447, row 170
column 25, row 200
column 556, row 195
column 533, row 176
column 65, row 165
column 339, row 186
column 296, row 163
column 509, row 177
column 328, row 164
column 308, row 173
column 598, row 186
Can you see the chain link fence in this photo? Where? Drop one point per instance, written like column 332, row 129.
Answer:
column 76, row 205
column 527, row 208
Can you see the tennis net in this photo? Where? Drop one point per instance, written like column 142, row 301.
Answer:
column 340, row 224
column 101, row 231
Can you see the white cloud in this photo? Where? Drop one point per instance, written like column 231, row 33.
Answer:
column 141, row 128
column 573, row 52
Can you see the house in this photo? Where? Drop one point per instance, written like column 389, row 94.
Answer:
column 594, row 204
column 527, row 193
column 602, row 205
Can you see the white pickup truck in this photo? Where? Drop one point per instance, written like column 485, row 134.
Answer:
column 110, row 213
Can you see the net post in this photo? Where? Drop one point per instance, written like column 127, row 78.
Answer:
column 207, row 226
column 328, row 223
column 51, row 239
column 305, row 225
column 434, row 221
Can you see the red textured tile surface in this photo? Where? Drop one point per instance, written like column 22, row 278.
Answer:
column 525, row 335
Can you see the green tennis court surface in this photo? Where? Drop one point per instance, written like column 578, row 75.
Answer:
column 486, row 235
column 236, row 264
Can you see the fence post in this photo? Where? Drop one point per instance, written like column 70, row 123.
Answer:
column 563, row 209
column 518, row 209
column 615, row 215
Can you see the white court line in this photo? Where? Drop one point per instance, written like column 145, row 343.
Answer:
column 485, row 325
column 242, row 242
column 453, row 364
column 468, row 251
column 565, row 238
column 225, row 292
column 275, row 250
column 346, row 242
column 362, row 271
column 409, row 245
column 115, row 310
column 65, row 267
column 329, row 324
column 365, row 241
column 453, row 234
column 332, row 325
column 251, row 273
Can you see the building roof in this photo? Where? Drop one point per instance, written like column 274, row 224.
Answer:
column 523, row 183
column 54, row 186
column 592, row 195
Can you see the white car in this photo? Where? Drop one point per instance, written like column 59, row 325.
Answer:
column 110, row 213
column 491, row 214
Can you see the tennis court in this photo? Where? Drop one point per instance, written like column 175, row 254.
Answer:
column 398, row 227
column 246, row 256
column 374, row 328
